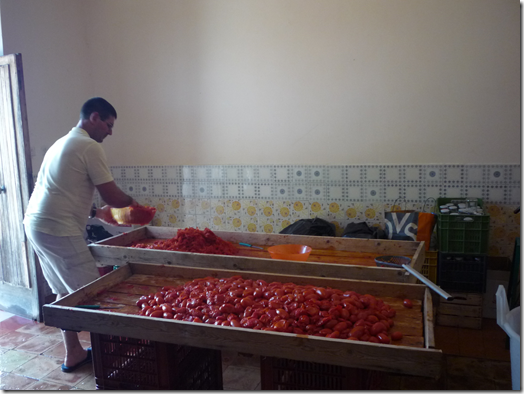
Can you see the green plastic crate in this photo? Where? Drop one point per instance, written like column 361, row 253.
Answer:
column 456, row 235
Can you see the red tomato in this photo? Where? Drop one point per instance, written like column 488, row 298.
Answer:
column 325, row 331
column 383, row 337
column 332, row 323
column 396, row 336
column 157, row 313
column 378, row 328
column 372, row 319
column 227, row 308
column 408, row 303
column 344, row 314
column 356, row 332
column 283, row 313
column 340, row 326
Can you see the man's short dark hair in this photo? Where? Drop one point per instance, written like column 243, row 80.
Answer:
column 97, row 104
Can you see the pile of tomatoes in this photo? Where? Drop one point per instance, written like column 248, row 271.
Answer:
column 282, row 307
column 192, row 240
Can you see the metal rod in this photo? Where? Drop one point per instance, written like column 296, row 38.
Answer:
column 428, row 283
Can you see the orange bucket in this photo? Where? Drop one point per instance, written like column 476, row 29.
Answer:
column 290, row 252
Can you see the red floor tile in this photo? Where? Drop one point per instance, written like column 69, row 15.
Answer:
column 15, row 322
column 11, row 381
column 14, row 339
column 38, row 344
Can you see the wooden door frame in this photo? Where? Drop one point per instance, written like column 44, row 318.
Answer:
column 25, row 173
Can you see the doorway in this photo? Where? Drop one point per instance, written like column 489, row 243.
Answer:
column 21, row 289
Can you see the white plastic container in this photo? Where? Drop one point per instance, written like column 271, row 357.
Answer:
column 510, row 322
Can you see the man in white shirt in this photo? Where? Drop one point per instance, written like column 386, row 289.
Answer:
column 61, row 203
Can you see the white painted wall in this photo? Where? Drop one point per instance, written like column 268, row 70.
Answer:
column 51, row 37
column 277, row 81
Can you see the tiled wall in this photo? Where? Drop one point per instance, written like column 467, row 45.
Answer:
column 268, row 198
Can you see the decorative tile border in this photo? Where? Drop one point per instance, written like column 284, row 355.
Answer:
column 497, row 184
column 270, row 197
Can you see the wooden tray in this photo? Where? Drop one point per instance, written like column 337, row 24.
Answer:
column 414, row 355
column 334, row 257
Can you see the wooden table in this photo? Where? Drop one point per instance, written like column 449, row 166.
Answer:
column 334, row 257
column 413, row 355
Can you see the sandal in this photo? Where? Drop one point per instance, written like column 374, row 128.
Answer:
column 87, row 360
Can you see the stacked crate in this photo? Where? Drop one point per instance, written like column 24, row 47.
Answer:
column 429, row 268
column 285, row 374
column 462, row 263
column 122, row 363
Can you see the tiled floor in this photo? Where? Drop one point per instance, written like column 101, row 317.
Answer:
column 31, row 355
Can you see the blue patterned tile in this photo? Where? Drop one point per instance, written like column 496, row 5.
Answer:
column 492, row 183
column 316, row 173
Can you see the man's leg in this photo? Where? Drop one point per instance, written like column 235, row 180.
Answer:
column 75, row 353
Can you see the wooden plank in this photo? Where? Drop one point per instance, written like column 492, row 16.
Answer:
column 459, row 321
column 342, row 254
column 392, row 358
column 429, row 334
column 113, row 255
column 126, row 238
column 471, row 299
column 96, row 287
column 460, row 310
column 379, row 246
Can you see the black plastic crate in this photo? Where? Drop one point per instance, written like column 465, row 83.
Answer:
column 462, row 272
column 286, row 374
column 122, row 363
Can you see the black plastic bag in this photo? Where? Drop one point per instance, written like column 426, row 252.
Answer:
column 362, row 230
column 97, row 233
column 314, row 226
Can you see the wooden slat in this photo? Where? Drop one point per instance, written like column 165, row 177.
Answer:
column 336, row 256
column 114, row 255
column 460, row 310
column 473, row 299
column 459, row 321
column 429, row 334
column 390, row 358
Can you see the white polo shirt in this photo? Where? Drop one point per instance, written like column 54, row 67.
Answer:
column 65, row 186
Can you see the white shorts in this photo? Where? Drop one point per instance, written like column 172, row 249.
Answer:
column 67, row 263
